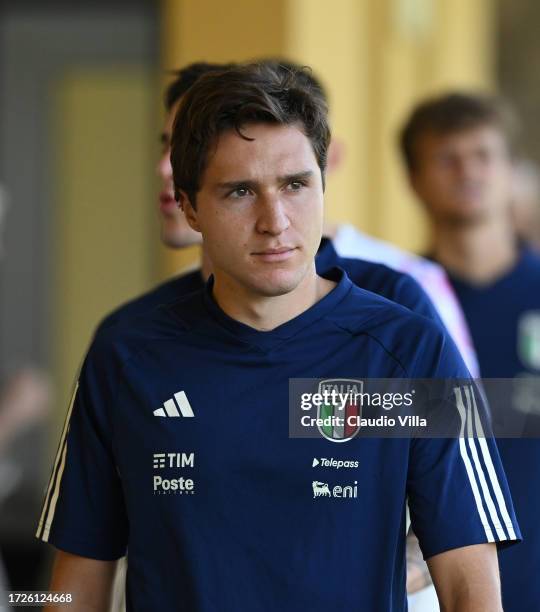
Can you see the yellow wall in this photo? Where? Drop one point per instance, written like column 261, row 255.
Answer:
column 104, row 229
column 333, row 40
column 377, row 57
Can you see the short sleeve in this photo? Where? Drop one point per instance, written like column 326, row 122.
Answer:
column 83, row 511
column 409, row 293
column 457, row 489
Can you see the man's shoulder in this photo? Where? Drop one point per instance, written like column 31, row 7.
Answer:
column 167, row 325
column 365, row 311
column 372, row 275
column 530, row 263
column 165, row 293
column 413, row 340
column 393, row 284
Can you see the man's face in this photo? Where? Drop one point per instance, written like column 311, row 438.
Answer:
column 175, row 230
column 260, row 208
column 465, row 177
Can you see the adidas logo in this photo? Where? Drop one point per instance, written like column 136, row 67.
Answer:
column 171, row 408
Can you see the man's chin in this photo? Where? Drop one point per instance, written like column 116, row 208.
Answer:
column 466, row 214
column 278, row 283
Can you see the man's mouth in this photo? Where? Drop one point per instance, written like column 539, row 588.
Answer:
column 166, row 196
column 167, row 203
column 275, row 255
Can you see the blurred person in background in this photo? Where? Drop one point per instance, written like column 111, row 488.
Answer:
column 458, row 151
column 526, row 201
column 24, row 403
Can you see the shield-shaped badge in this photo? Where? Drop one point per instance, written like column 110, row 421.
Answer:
column 343, row 409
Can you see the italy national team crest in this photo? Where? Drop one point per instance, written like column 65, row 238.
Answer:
column 529, row 339
column 343, row 409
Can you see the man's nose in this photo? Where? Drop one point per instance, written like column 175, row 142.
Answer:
column 163, row 167
column 469, row 167
column 273, row 218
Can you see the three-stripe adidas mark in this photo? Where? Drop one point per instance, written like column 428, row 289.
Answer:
column 170, row 407
column 472, row 446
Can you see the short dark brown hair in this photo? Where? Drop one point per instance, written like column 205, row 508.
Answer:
column 184, row 79
column 304, row 74
column 456, row 112
column 232, row 99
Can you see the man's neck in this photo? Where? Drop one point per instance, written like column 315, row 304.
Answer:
column 206, row 265
column 479, row 253
column 266, row 313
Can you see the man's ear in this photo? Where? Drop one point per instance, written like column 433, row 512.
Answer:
column 413, row 180
column 336, row 155
column 191, row 213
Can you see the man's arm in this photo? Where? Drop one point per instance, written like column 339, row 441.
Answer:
column 467, row 579
column 418, row 577
column 89, row 581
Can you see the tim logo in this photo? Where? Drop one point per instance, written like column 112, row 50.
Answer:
column 342, row 411
column 321, row 489
column 173, row 460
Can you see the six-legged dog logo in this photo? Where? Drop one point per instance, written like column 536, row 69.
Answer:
column 320, row 489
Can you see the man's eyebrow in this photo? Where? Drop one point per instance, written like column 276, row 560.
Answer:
column 296, row 176
column 287, row 178
column 235, row 184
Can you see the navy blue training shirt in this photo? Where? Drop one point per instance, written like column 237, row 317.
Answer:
column 380, row 279
column 165, row 293
column 504, row 320
column 177, row 450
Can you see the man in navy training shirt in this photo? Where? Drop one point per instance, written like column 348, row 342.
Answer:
column 177, row 234
column 458, row 152
column 176, row 446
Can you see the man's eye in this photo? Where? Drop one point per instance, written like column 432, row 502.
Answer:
column 483, row 155
column 296, row 185
column 445, row 160
column 165, row 143
column 239, row 192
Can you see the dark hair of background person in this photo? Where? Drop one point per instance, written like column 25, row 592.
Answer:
column 184, row 79
column 457, row 112
column 234, row 98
